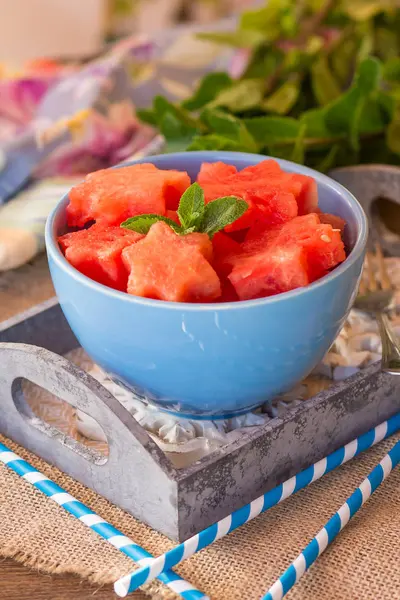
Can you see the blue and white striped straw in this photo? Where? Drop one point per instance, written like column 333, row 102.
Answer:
column 86, row 516
column 334, row 526
column 153, row 567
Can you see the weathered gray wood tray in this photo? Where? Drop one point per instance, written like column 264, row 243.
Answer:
column 137, row 475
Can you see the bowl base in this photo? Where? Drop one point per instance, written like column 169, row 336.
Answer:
column 205, row 417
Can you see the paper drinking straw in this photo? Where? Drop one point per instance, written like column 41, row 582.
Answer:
column 334, row 526
column 153, row 567
column 85, row 515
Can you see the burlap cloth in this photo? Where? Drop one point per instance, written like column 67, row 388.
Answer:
column 362, row 564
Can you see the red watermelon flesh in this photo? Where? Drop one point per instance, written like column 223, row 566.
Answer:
column 303, row 187
column 267, row 174
column 225, row 251
column 334, row 220
column 267, row 203
column 258, row 236
column 228, row 292
column 96, row 252
column 111, row 196
column 166, row 266
column 323, row 245
column 173, row 215
column 218, row 172
column 307, row 194
column 272, row 271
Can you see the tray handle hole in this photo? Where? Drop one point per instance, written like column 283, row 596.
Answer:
column 387, row 211
column 57, row 419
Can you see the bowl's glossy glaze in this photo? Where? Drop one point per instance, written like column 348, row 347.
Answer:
column 212, row 360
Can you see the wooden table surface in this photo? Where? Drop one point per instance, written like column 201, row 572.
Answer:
column 19, row 290
column 20, row 583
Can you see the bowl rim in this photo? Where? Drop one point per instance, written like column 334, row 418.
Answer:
column 57, row 256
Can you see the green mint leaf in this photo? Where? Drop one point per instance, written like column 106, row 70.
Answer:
column 208, row 89
column 142, row 223
column 368, row 75
column 283, row 99
column 189, row 230
column 315, row 123
column 374, row 118
column 297, row 155
column 343, row 115
column 272, row 19
column 323, row 82
column 387, row 102
column 339, row 115
column 342, row 59
column 228, row 126
column 386, row 43
column 147, row 115
column 191, row 207
column 262, row 65
column 163, row 107
column 177, row 144
column 238, row 39
column 242, row 95
column 314, row 45
column 363, row 10
column 393, row 132
column 214, row 142
column 177, row 134
column 222, row 212
column 329, row 161
column 391, row 70
column 366, row 47
column 176, row 124
column 271, row 130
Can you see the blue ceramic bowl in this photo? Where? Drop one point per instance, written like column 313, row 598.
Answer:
column 212, row 360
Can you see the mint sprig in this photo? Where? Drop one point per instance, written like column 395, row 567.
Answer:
column 191, row 207
column 222, row 212
column 194, row 214
column 142, row 223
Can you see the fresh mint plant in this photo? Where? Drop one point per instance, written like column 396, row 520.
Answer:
column 321, row 85
column 194, row 214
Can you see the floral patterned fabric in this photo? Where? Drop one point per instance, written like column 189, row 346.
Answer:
column 128, row 76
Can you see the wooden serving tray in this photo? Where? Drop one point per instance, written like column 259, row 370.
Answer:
column 137, row 475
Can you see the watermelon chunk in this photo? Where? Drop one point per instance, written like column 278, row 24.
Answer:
column 303, row 187
column 96, row 252
column 273, row 195
column 110, row 196
column 173, row 215
column 166, row 266
column 225, row 251
column 306, row 193
column 333, row 220
column 323, row 245
column 268, row 203
column 258, row 236
column 228, row 292
column 271, row 271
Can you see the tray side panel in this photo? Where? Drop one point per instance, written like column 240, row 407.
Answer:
column 44, row 325
column 307, row 434
column 136, row 475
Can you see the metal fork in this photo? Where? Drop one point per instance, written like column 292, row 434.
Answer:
column 375, row 296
